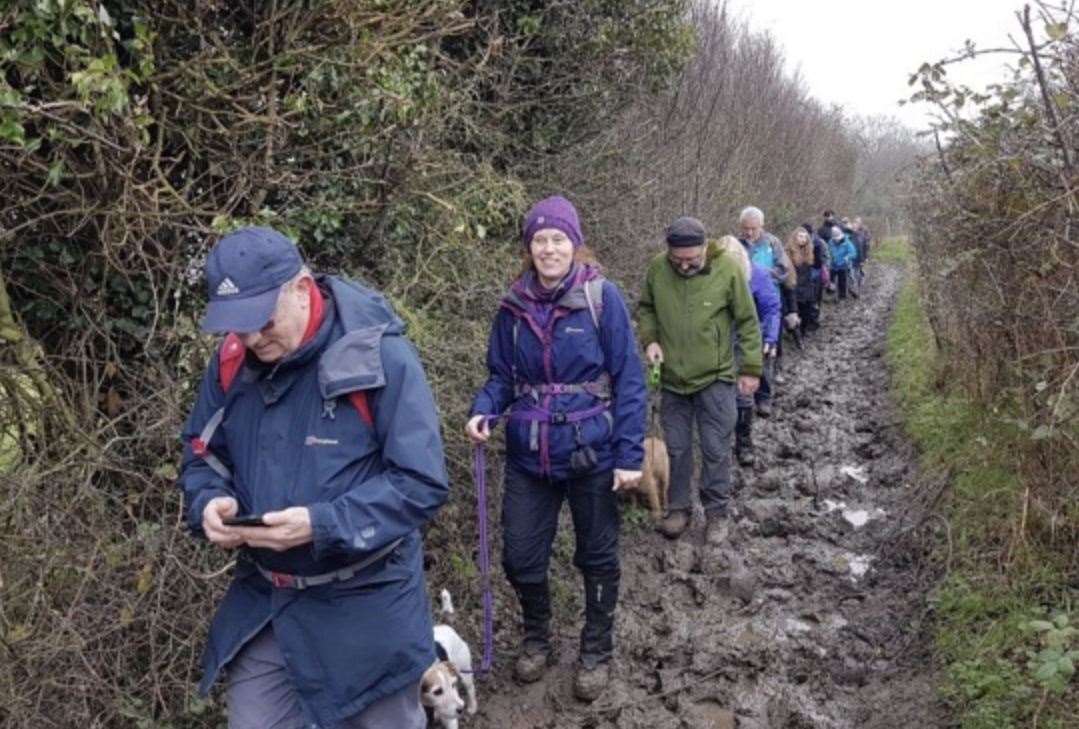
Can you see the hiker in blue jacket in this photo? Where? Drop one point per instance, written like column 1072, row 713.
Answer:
column 843, row 254
column 314, row 413
column 769, row 310
column 563, row 361
column 766, row 250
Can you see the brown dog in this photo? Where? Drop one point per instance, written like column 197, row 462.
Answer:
column 655, row 478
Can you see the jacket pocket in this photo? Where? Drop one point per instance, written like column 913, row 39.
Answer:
column 597, row 430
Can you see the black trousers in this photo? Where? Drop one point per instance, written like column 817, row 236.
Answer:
column 841, row 282
column 530, row 509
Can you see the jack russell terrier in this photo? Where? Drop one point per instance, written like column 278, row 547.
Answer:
column 438, row 689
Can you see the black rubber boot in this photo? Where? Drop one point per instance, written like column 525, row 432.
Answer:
column 536, row 654
column 743, row 437
column 597, row 636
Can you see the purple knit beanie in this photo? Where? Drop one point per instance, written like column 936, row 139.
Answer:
column 553, row 212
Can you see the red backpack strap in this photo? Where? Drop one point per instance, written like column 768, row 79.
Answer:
column 358, row 398
column 230, row 358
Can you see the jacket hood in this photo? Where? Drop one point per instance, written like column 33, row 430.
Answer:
column 354, row 360
column 360, row 306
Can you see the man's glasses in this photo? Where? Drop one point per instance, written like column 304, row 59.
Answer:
column 686, row 262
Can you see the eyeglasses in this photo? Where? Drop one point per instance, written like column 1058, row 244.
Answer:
column 695, row 261
column 553, row 240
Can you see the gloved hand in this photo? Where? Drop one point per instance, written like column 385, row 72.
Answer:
column 792, row 321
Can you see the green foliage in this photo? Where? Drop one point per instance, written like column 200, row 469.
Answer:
column 636, row 518
column 983, row 627
column 893, row 250
column 996, row 268
column 1054, row 664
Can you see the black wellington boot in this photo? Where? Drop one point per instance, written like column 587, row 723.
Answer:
column 743, row 437
column 597, row 636
column 536, row 655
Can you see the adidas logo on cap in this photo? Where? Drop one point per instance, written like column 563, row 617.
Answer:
column 227, row 288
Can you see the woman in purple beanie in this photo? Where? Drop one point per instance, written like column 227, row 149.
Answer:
column 563, row 361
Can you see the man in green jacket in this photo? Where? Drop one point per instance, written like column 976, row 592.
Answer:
column 695, row 301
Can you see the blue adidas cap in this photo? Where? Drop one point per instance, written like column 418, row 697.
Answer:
column 244, row 274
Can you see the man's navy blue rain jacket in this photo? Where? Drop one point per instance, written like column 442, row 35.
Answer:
column 291, row 438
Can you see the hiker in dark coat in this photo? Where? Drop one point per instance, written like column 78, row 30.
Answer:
column 314, row 413
column 562, row 359
column 807, row 263
column 822, row 258
column 829, row 222
column 862, row 240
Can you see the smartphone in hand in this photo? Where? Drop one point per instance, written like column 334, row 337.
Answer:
column 246, row 520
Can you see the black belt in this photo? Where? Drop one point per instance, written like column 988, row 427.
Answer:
column 285, row 581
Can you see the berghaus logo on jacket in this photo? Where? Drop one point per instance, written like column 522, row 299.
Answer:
column 314, row 440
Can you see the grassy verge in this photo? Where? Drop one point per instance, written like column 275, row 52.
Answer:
column 1005, row 663
column 892, row 250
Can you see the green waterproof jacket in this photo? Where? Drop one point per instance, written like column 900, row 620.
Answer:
column 693, row 317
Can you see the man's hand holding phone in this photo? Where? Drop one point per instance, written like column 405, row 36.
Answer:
column 283, row 529
column 213, row 515
column 276, row 530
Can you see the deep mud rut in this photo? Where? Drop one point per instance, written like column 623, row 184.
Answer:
column 809, row 616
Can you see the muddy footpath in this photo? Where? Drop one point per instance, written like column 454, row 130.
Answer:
column 810, row 616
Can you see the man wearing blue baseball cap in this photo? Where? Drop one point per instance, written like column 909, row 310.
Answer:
column 314, row 450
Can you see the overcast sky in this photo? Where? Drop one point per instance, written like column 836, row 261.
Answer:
column 860, row 53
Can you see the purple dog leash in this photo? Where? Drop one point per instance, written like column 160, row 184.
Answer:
column 479, row 473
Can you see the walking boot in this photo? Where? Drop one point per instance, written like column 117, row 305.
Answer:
column 536, row 653
column 672, row 525
column 597, row 636
column 743, row 437
column 717, row 527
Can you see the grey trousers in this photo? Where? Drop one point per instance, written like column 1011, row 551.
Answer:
column 716, row 414
column 261, row 696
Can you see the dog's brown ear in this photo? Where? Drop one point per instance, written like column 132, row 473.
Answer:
column 454, row 673
column 428, row 681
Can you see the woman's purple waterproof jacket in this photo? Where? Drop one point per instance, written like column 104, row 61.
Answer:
column 550, row 339
column 766, row 297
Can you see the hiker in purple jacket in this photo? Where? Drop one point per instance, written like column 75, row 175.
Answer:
column 562, row 359
column 769, row 310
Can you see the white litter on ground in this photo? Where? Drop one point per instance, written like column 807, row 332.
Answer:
column 794, row 626
column 857, row 517
column 860, row 517
column 855, row 472
column 830, row 506
column 859, row 565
